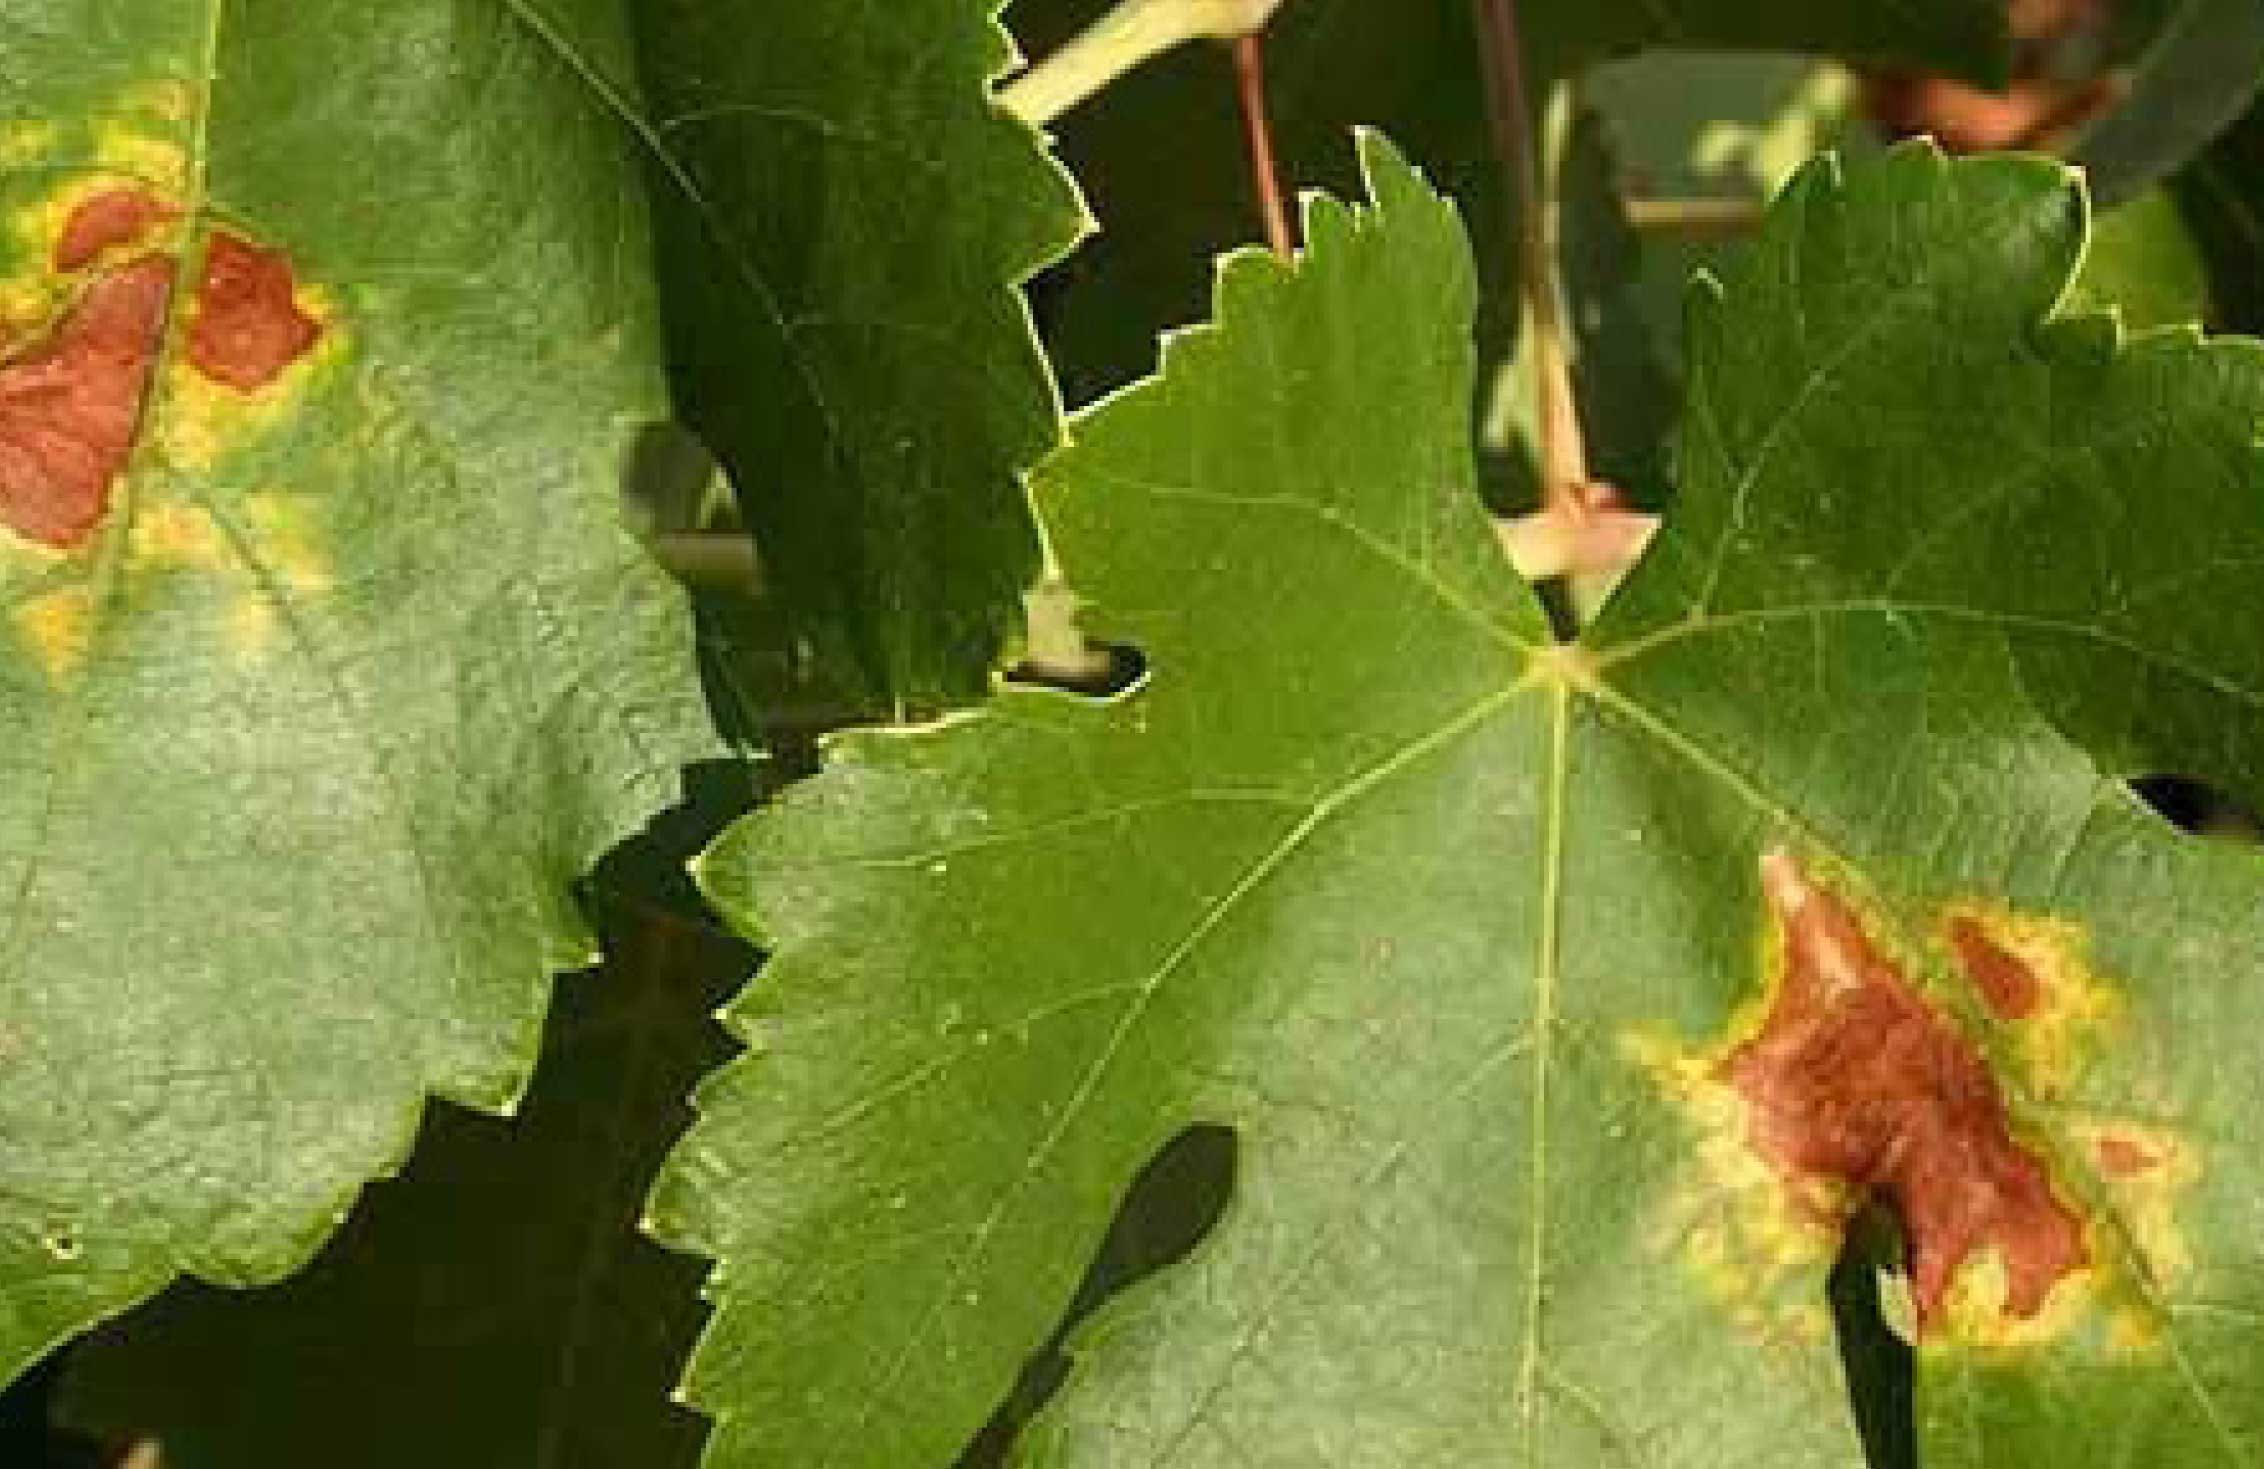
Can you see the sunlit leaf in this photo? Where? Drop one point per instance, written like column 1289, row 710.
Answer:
column 1567, row 1002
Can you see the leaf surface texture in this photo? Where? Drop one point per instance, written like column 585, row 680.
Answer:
column 1566, row 1001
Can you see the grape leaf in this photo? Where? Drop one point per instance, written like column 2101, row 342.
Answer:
column 328, row 663
column 498, row 1290
column 2144, row 262
column 1567, row 1002
column 859, row 359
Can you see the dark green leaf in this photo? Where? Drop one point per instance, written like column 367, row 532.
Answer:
column 843, row 218
column 1566, row 1001
column 2221, row 195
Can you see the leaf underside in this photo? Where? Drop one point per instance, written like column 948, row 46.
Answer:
column 1523, row 971
column 323, row 694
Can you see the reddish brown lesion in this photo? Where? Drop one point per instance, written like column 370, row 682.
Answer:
column 70, row 404
column 111, row 219
column 1857, row 1086
column 2008, row 985
column 2123, row 1156
column 72, row 390
column 249, row 326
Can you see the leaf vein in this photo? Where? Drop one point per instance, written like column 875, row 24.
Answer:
column 1431, row 582
column 1708, row 624
column 1144, row 993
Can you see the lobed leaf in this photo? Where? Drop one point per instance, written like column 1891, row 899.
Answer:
column 1570, row 1003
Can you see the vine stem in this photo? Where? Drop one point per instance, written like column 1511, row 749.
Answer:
column 1265, row 174
column 1563, row 452
column 715, row 558
column 1134, row 32
column 1695, row 219
column 1582, row 531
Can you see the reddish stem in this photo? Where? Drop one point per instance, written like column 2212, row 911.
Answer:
column 1250, row 87
column 1564, row 457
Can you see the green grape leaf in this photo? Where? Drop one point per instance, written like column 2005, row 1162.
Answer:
column 1570, row 1004
column 327, row 661
column 498, row 1290
column 843, row 217
column 2144, row 262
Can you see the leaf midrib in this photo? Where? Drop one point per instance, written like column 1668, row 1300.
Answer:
column 67, row 750
column 1545, row 977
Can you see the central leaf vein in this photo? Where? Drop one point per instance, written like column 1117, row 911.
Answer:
column 1545, row 972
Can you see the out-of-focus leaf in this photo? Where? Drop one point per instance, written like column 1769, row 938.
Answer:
column 2143, row 262
column 2193, row 81
column 2221, row 195
column 1624, row 383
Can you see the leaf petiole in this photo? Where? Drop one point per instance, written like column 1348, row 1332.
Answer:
column 1265, row 173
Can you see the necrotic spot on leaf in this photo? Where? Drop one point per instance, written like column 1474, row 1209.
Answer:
column 2008, row 985
column 248, row 325
column 68, row 406
column 1855, row 1079
column 107, row 221
column 2124, row 1157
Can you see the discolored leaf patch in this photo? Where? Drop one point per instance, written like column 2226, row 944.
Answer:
column 1850, row 1082
column 249, row 326
column 69, row 404
column 2009, row 986
column 2028, row 973
column 1857, row 1086
column 112, row 219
